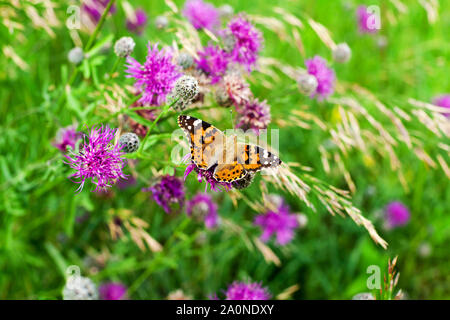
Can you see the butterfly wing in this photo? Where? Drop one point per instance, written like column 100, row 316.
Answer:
column 255, row 158
column 205, row 140
column 229, row 172
column 246, row 158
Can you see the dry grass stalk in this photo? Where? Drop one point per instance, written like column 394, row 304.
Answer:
column 287, row 293
column 323, row 33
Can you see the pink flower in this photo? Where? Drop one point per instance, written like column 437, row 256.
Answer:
column 156, row 77
column 65, row 137
column 203, row 207
column 137, row 23
column 213, row 61
column 168, row 190
column 112, row 291
column 397, row 214
column 325, row 76
column 247, row 44
column 254, row 115
column 365, row 20
column 98, row 159
column 444, row 102
column 201, row 14
column 280, row 222
column 247, row 291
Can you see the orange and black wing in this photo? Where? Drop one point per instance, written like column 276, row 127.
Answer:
column 203, row 138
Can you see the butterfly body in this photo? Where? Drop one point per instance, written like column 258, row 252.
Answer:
column 230, row 159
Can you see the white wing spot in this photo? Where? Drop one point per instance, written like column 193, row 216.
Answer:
column 197, row 122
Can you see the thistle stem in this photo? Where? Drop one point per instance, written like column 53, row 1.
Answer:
column 87, row 47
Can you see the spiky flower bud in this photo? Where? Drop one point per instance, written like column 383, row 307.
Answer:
column 226, row 11
column 80, row 288
column 185, row 60
column 342, row 53
column 75, row 55
column 130, row 142
column 307, row 84
column 229, row 41
column 363, row 296
column 302, row 220
column 186, row 87
column 245, row 182
column 161, row 22
column 223, row 99
column 185, row 90
column 124, row 47
column 382, row 41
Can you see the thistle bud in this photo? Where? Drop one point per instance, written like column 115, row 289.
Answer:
column 185, row 60
column 223, row 99
column 130, row 142
column 229, row 41
column 76, row 55
column 226, row 11
column 80, row 288
column 161, row 22
column 124, row 47
column 363, row 296
column 307, row 84
column 342, row 53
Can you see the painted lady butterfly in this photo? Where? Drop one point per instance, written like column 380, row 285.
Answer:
column 230, row 159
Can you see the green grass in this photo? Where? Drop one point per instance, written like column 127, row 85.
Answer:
column 328, row 259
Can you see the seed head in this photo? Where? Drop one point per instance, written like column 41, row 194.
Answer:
column 342, row 53
column 223, row 99
column 185, row 60
column 226, row 11
column 363, row 296
column 161, row 22
column 75, row 55
column 229, row 42
column 124, row 47
column 307, row 84
column 80, row 288
column 185, row 90
column 130, row 142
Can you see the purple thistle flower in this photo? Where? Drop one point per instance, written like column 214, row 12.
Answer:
column 112, row 291
column 203, row 207
column 237, row 89
column 67, row 136
column 397, row 214
column 247, row 291
column 137, row 23
column 208, row 176
column 156, row 77
column 95, row 8
column 364, row 25
column 281, row 222
column 325, row 76
column 254, row 115
column 444, row 102
column 98, row 159
column 248, row 42
column 168, row 190
column 201, row 14
column 213, row 61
